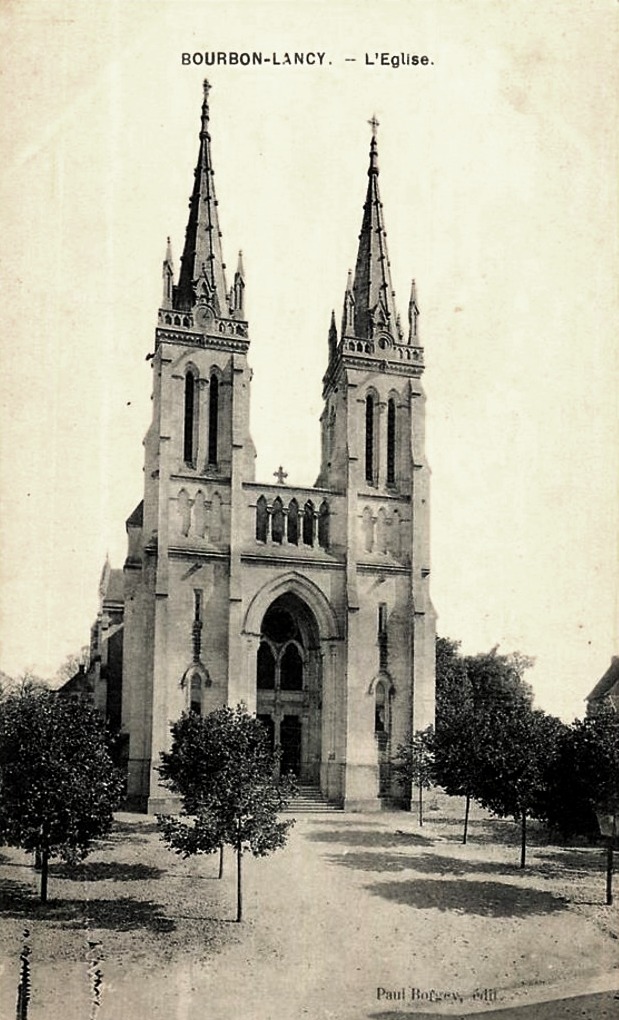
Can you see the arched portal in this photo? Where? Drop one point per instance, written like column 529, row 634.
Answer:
column 289, row 684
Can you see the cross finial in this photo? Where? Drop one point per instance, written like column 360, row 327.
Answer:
column 207, row 87
column 280, row 475
column 374, row 123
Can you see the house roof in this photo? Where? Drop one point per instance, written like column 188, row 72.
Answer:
column 606, row 683
column 79, row 683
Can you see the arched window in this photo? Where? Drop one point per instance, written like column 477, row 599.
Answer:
column 381, row 531
column 323, row 525
column 195, row 694
column 213, row 419
column 277, row 521
column 380, row 709
column 369, row 439
column 367, row 525
column 293, row 522
column 265, row 678
column 391, row 442
column 291, row 669
column 189, row 443
column 262, row 519
column 308, row 523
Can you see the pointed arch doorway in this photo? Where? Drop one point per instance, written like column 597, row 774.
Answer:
column 289, row 684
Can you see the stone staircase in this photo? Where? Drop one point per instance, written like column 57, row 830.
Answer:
column 309, row 799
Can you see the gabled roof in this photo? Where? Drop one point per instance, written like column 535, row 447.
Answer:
column 79, row 683
column 136, row 519
column 606, row 683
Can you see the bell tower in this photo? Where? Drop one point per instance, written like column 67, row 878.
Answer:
column 183, row 571
column 373, row 451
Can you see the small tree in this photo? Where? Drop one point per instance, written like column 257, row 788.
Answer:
column 228, row 780
column 414, row 763
column 59, row 786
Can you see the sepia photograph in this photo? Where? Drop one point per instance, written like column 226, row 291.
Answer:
column 309, row 510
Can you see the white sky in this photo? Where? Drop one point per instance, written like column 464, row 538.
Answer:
column 498, row 177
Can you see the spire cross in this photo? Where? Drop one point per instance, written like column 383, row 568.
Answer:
column 207, row 87
column 374, row 123
column 280, row 475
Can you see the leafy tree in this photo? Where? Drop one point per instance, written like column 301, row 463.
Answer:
column 518, row 745
column 455, row 743
column 471, row 691
column 59, row 787
column 228, row 781
column 414, row 763
column 596, row 744
column 596, row 760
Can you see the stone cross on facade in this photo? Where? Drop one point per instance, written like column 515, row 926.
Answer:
column 280, row 475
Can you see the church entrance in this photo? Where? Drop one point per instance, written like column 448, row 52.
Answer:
column 289, row 685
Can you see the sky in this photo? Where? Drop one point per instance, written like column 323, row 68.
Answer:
column 498, row 166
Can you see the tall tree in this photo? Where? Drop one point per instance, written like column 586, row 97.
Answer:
column 229, row 785
column 518, row 743
column 59, row 786
column 471, row 691
column 455, row 742
column 596, row 766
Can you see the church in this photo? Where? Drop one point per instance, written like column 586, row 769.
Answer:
column 310, row 606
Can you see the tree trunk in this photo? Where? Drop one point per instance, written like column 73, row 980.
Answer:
column 421, row 803
column 221, row 861
column 609, row 872
column 523, row 839
column 37, row 859
column 44, row 870
column 466, row 817
column 239, row 887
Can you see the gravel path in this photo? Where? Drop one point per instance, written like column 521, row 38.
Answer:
column 359, row 917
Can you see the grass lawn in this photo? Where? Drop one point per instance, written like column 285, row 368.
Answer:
column 359, row 916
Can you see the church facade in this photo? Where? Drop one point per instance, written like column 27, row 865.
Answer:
column 310, row 606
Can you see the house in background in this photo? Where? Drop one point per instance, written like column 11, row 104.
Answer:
column 606, row 690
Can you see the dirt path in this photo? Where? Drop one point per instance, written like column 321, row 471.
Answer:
column 359, row 917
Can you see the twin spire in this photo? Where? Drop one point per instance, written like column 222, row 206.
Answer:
column 202, row 278
column 369, row 300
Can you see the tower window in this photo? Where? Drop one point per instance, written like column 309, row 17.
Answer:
column 391, row 442
column 380, row 721
column 369, row 438
column 323, row 525
column 262, row 519
column 308, row 523
column 189, row 451
column 195, row 695
column 277, row 521
column 382, row 636
column 293, row 522
column 213, row 419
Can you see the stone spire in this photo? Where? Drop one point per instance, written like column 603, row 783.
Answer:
column 167, row 273
column 237, row 294
column 374, row 300
column 202, row 276
column 413, row 315
column 332, row 338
